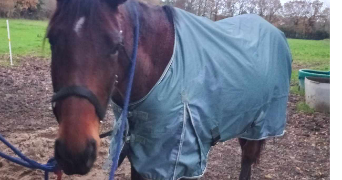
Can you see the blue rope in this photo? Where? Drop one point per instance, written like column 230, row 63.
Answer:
column 50, row 166
column 128, row 93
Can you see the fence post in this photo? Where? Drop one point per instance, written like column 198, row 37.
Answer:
column 9, row 42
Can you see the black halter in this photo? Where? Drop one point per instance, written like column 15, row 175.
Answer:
column 81, row 92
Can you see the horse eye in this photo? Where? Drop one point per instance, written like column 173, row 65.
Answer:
column 114, row 54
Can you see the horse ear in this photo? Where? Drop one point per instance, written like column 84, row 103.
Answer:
column 115, row 3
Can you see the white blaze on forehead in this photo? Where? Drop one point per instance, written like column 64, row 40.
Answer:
column 79, row 24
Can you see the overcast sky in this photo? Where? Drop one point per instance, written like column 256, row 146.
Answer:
column 326, row 2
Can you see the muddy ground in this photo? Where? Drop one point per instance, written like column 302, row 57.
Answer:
column 26, row 121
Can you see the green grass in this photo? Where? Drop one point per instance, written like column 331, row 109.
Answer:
column 310, row 51
column 308, row 54
column 303, row 107
column 26, row 37
column 295, row 90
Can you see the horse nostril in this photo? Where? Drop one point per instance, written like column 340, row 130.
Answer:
column 91, row 153
column 75, row 162
column 61, row 153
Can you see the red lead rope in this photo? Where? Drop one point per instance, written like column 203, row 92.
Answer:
column 59, row 174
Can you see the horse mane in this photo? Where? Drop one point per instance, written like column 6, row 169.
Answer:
column 170, row 13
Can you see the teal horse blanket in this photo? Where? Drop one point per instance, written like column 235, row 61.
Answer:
column 226, row 79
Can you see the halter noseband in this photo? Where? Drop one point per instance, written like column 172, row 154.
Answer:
column 81, row 92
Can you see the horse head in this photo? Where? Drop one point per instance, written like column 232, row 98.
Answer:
column 86, row 44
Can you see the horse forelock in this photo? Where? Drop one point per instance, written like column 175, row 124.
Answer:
column 72, row 15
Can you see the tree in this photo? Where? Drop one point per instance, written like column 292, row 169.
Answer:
column 152, row 2
column 6, row 8
column 315, row 10
column 217, row 7
column 272, row 8
column 180, row 4
column 252, row 6
column 302, row 18
column 293, row 11
column 27, row 5
column 325, row 19
column 230, row 7
column 190, row 6
column 242, row 6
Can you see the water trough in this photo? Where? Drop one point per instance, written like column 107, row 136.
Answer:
column 317, row 93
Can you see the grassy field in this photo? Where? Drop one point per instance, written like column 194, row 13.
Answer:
column 308, row 54
column 27, row 39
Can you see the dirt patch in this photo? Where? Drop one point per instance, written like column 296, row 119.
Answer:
column 300, row 65
column 26, row 121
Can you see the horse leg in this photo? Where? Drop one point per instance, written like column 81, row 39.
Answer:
column 123, row 154
column 251, row 151
column 135, row 175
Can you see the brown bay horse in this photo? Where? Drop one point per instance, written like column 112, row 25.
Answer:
column 90, row 40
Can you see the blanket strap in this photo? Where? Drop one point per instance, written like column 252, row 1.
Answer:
column 215, row 133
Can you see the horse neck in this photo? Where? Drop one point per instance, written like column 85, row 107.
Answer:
column 156, row 41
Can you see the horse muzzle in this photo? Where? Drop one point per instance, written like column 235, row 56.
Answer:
column 75, row 163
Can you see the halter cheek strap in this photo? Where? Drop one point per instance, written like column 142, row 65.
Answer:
column 81, row 92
